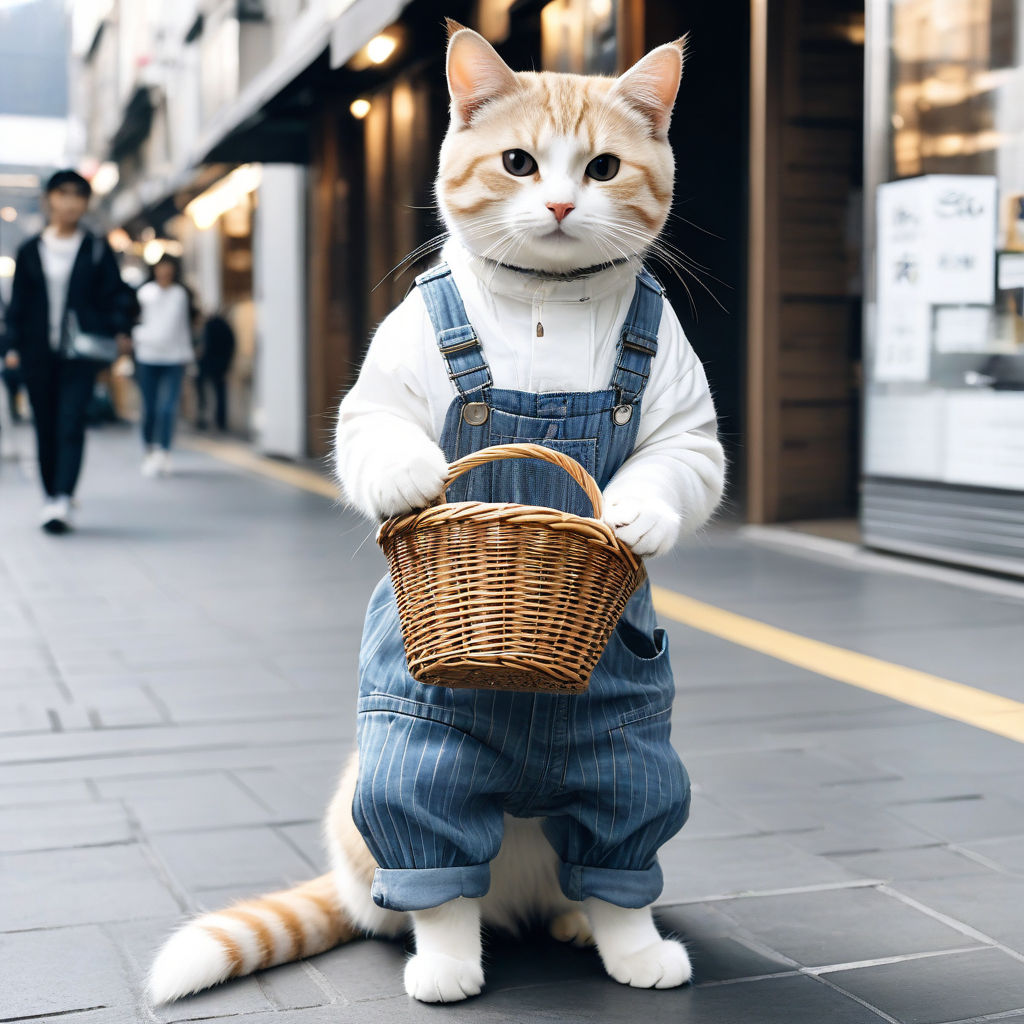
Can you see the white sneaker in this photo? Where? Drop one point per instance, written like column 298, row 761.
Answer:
column 151, row 464
column 163, row 466
column 56, row 517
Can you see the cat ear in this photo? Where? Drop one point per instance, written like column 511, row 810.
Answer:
column 651, row 84
column 476, row 73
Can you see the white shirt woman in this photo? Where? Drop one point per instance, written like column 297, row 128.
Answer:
column 163, row 347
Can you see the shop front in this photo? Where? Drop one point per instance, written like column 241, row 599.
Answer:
column 943, row 462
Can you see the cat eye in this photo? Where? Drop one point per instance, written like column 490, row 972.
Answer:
column 603, row 167
column 518, row 162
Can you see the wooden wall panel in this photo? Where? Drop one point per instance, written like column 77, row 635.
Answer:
column 803, row 390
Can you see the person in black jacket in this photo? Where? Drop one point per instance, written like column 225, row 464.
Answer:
column 64, row 270
column 216, row 351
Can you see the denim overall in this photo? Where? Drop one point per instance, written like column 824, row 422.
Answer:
column 438, row 767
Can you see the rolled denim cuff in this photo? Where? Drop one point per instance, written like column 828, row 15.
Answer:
column 618, row 886
column 421, row 888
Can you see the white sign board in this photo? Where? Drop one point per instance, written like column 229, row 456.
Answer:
column 936, row 245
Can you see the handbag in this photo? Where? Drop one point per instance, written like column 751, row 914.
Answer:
column 79, row 344
column 100, row 348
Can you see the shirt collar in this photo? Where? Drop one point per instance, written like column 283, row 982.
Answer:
column 521, row 284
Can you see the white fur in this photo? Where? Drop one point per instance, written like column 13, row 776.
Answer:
column 189, row 961
column 448, row 963
column 648, row 525
column 406, row 473
column 632, row 950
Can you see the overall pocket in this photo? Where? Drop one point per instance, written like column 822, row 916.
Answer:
column 530, row 482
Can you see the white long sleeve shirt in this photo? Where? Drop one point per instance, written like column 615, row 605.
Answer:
column 403, row 391
column 58, row 253
column 163, row 334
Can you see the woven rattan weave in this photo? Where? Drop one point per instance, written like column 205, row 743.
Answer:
column 506, row 596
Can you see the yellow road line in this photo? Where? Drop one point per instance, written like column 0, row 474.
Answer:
column 944, row 697
column 988, row 711
column 238, row 455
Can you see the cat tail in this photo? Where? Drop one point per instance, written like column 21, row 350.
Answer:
column 248, row 936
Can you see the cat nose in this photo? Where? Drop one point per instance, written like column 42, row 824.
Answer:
column 561, row 210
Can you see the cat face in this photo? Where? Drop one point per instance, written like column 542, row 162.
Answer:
column 556, row 172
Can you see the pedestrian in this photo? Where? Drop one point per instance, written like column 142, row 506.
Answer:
column 163, row 348
column 69, row 313
column 10, row 375
column 216, row 351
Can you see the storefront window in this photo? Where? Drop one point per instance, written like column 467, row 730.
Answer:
column 945, row 394
column 956, row 239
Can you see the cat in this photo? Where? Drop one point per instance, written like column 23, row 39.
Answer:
column 552, row 186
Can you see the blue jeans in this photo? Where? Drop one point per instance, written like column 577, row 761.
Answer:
column 160, row 385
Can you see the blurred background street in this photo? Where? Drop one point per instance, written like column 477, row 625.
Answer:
column 177, row 693
column 177, row 677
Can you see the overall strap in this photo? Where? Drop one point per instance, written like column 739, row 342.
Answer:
column 638, row 342
column 456, row 338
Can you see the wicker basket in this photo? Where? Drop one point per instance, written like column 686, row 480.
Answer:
column 504, row 596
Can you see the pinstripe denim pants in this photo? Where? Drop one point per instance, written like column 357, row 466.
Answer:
column 439, row 768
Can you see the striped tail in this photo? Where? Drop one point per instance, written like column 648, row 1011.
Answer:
column 248, row 936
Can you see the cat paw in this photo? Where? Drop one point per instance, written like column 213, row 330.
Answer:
column 665, row 964
column 572, row 926
column 648, row 527
column 407, row 485
column 437, row 978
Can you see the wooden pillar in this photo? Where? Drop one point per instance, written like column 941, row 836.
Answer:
column 763, row 405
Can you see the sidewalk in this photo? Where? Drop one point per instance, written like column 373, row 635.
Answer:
column 177, row 684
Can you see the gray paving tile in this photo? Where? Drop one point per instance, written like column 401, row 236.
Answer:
column 840, row 926
column 939, row 989
column 930, row 862
column 724, row 867
column 51, row 826
column 720, row 950
column 307, row 838
column 29, row 794
column 294, row 987
column 231, row 856
column 234, row 999
column 792, row 1000
column 1008, row 854
column 282, row 794
column 989, row 903
column 188, row 802
column 366, row 970
column 962, row 821
column 48, row 972
column 820, row 823
column 63, row 887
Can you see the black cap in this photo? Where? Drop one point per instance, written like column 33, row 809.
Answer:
column 69, row 177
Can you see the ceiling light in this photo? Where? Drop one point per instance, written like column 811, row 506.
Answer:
column 9, row 214
column 379, row 48
column 359, row 108
column 207, row 208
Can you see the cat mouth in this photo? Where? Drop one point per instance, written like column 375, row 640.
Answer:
column 558, row 234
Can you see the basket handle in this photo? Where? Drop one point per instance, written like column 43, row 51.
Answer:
column 528, row 451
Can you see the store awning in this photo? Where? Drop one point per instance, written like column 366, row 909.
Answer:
column 354, row 27
column 246, row 131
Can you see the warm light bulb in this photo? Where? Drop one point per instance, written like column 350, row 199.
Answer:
column 359, row 108
column 379, row 48
column 152, row 251
column 9, row 214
